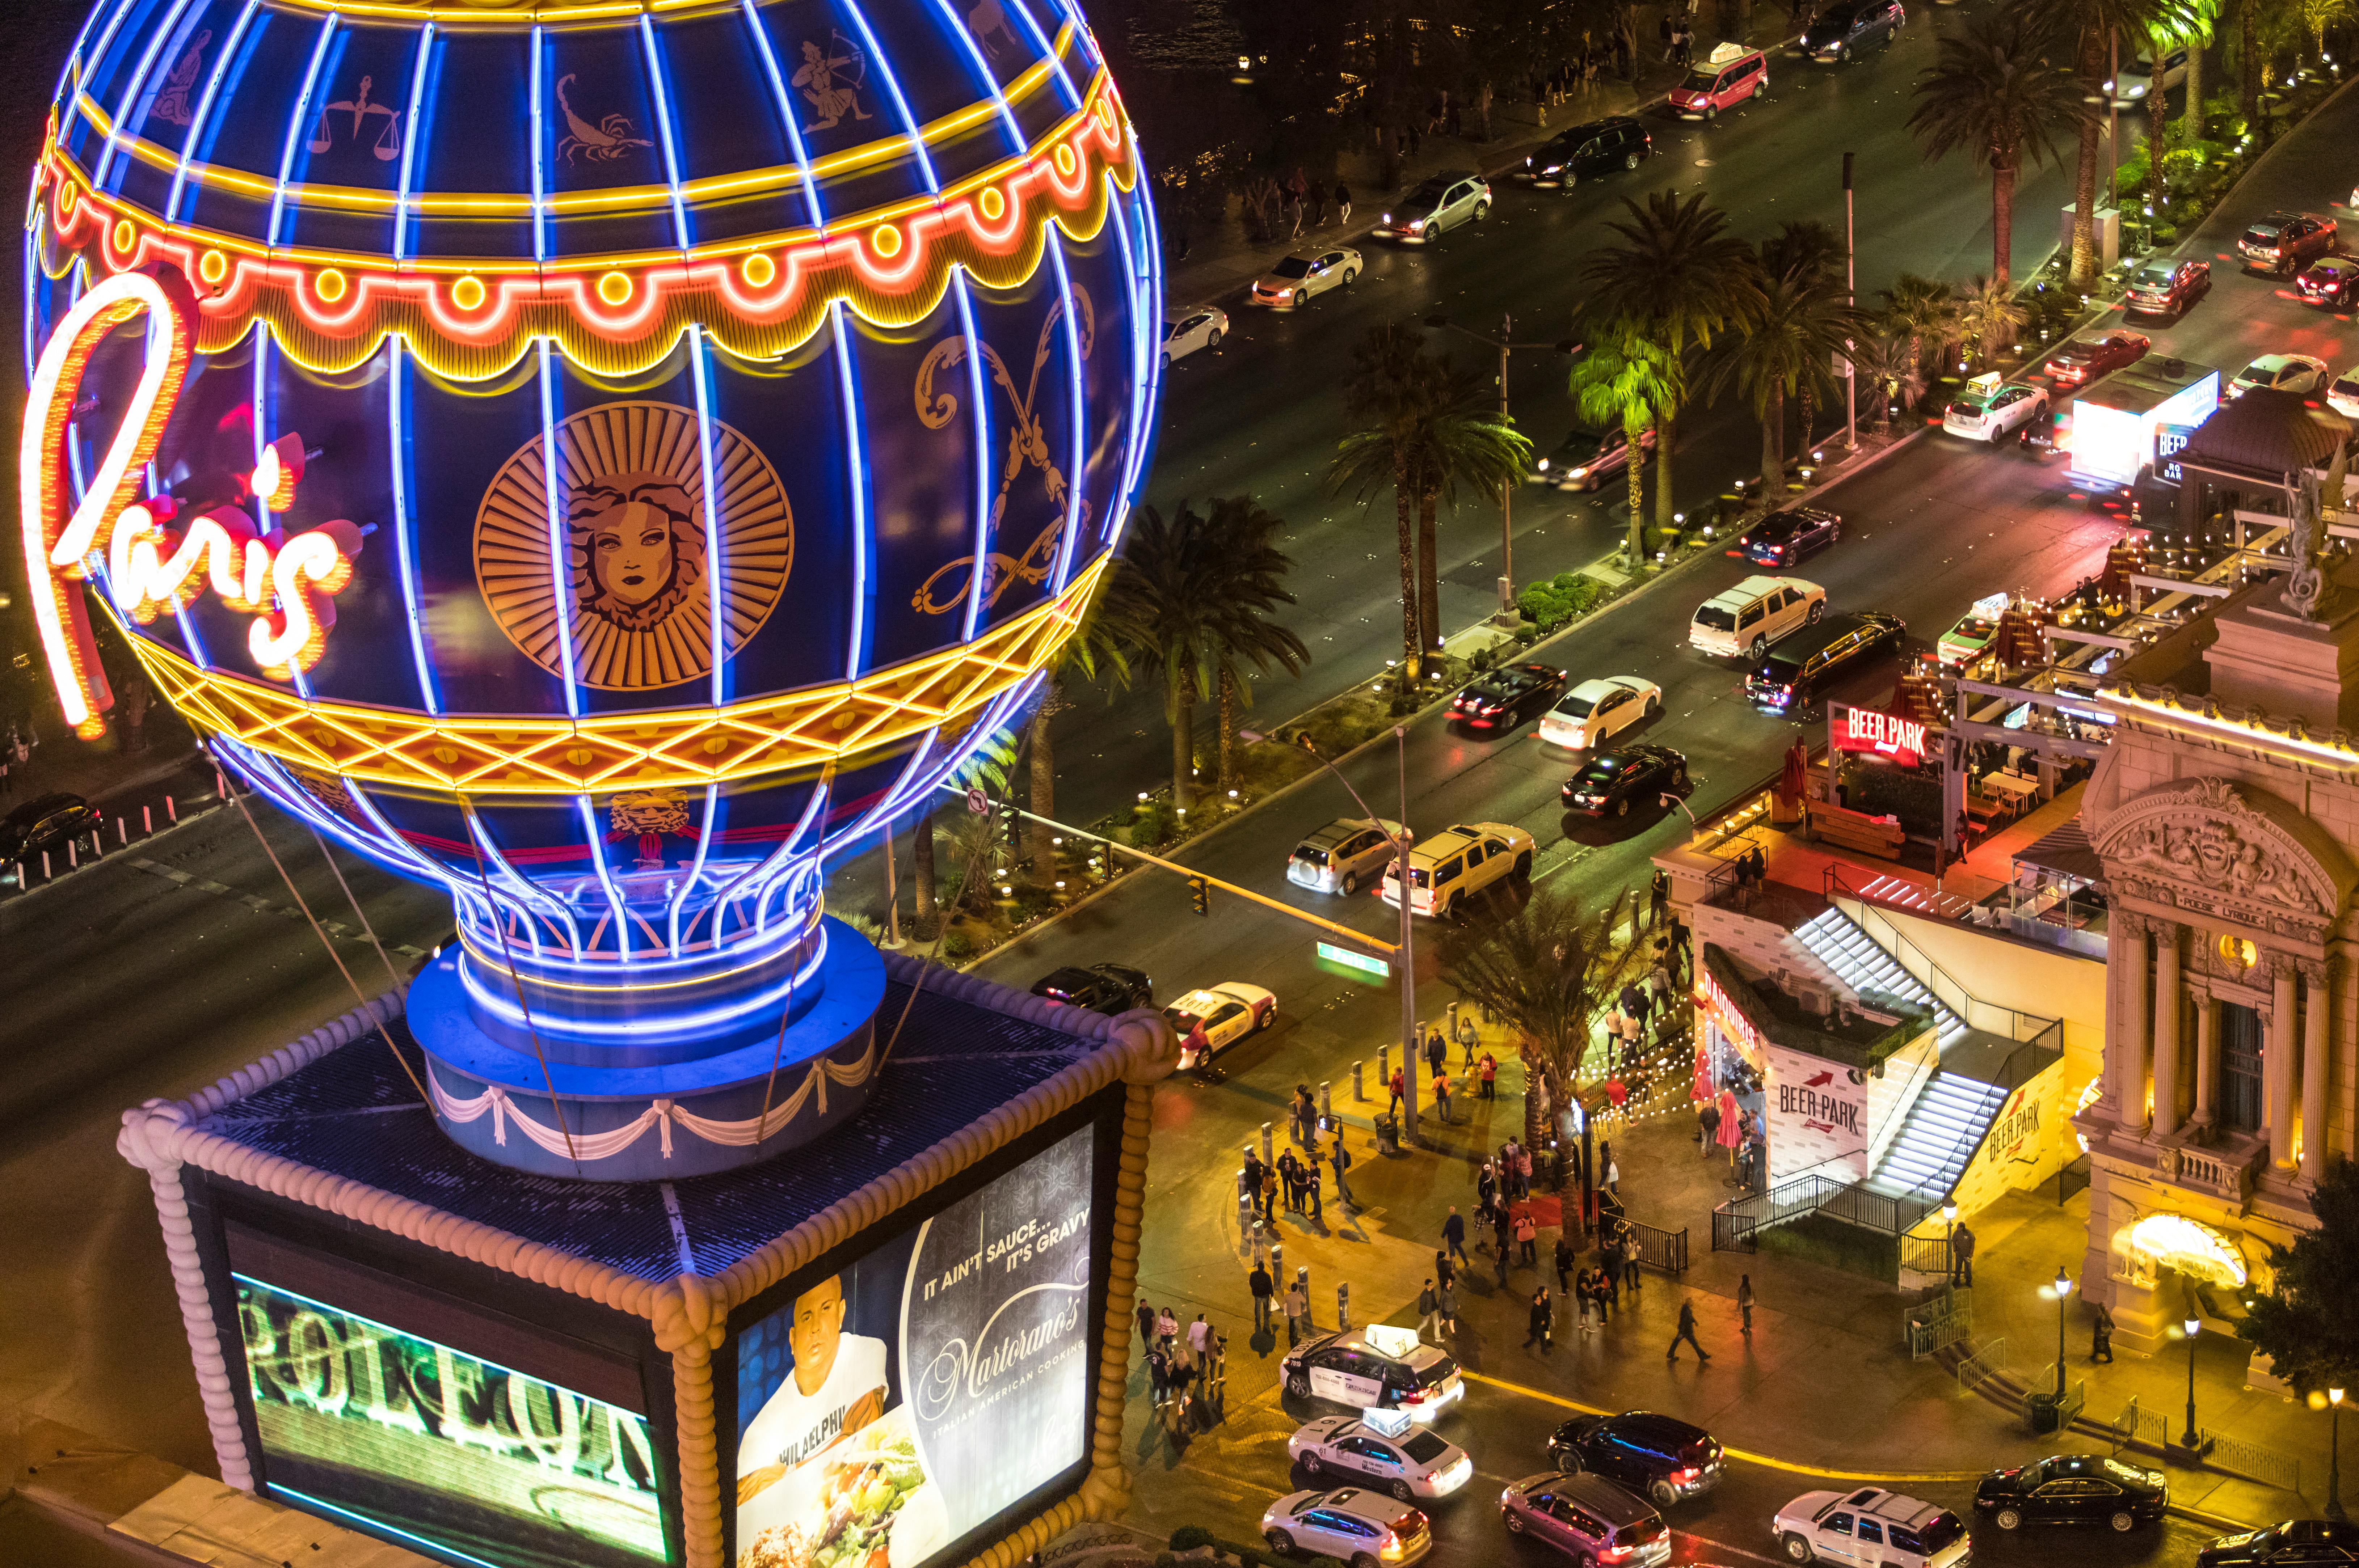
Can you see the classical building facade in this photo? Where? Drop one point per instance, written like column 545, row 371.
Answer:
column 2227, row 817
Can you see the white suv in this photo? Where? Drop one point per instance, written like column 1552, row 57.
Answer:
column 1744, row 621
column 1458, row 863
column 1881, row 1529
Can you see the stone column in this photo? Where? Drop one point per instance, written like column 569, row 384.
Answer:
column 2276, row 1062
column 2207, row 1057
column 2126, row 1045
column 2166, row 934
column 2318, row 1009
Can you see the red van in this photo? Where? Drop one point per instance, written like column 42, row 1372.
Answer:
column 1732, row 74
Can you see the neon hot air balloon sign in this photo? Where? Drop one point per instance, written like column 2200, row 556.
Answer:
column 159, row 553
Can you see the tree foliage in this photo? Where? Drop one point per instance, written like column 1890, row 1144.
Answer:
column 2304, row 1323
column 1991, row 94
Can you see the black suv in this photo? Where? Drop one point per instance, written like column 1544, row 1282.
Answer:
column 1598, row 147
column 2165, row 288
column 45, row 822
column 2312, row 1542
column 1789, row 678
column 1110, row 988
column 2073, row 1489
column 1506, row 698
column 2286, row 241
column 1614, row 779
column 1660, row 1458
column 1844, row 32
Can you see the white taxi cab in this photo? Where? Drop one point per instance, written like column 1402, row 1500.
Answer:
column 1387, row 1449
column 1215, row 1016
column 1379, row 1367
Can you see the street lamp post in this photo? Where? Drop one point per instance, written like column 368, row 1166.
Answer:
column 1400, row 842
column 2334, row 1455
column 1504, row 343
column 2191, row 1439
column 2063, row 1289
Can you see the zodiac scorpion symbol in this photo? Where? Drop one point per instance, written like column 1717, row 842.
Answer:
column 604, row 141
column 1028, row 447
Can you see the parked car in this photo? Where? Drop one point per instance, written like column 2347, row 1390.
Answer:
column 1871, row 1525
column 2280, row 373
column 1185, row 331
column 1787, row 536
column 1586, row 151
column 1798, row 670
column 1375, row 1368
column 1458, row 863
column 1353, row 1525
column 2167, row 287
column 1344, row 856
column 2086, row 358
column 2073, row 1489
column 1659, row 1458
column 2342, row 394
column 1301, row 277
column 1226, row 1012
column 46, row 823
column 2136, row 79
column 1588, row 1520
column 2330, row 281
column 2311, row 1542
column 1992, row 413
column 1850, row 28
column 1507, row 697
column 1744, row 621
column 1447, row 201
column 1596, row 710
column 1110, row 988
column 2286, row 241
column 1588, row 457
column 1730, row 75
column 1613, row 780
column 1411, row 1463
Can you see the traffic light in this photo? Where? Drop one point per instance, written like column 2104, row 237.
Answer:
column 1013, row 824
column 1199, row 894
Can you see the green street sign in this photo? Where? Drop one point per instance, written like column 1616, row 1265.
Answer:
column 1349, row 959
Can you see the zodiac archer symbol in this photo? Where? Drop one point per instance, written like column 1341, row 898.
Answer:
column 174, row 104
column 604, row 141
column 1027, row 449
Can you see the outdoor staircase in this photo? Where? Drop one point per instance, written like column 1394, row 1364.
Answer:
column 1945, row 1127
column 1855, row 958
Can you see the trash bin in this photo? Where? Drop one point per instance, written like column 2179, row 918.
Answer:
column 1388, row 1134
column 2041, row 1409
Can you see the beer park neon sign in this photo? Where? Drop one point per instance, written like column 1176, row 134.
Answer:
column 1887, row 734
column 160, row 554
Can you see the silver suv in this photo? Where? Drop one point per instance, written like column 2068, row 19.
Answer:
column 1353, row 1525
column 1446, row 202
column 1344, row 856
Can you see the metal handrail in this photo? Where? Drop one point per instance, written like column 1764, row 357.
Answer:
column 2022, row 1064
column 1966, row 1005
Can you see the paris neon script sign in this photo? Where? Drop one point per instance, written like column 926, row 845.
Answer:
column 160, row 554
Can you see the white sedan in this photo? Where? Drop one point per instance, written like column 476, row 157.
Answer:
column 1595, row 710
column 1988, row 409
column 2342, row 397
column 1185, row 331
column 1299, row 277
column 2280, row 373
column 1411, row 1463
column 1225, row 1014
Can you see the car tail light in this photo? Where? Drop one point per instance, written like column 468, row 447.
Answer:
column 1613, row 1554
column 1689, row 1474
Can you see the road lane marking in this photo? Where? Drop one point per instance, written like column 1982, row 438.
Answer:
column 259, row 905
column 1877, row 1478
column 1724, row 1546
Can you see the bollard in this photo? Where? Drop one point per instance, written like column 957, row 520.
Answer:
column 221, row 785
column 1266, row 1145
column 122, row 833
column 46, row 872
column 170, row 810
column 1384, row 1068
column 1326, row 1103
column 1342, row 1307
column 97, row 843
column 1302, row 1278
column 71, row 861
column 1359, row 1089
column 146, row 820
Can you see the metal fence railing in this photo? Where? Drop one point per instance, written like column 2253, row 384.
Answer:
column 2036, row 1419
column 2137, row 1425
column 1940, row 1322
column 1925, row 1254
column 1985, row 1363
column 2254, row 1460
column 1660, row 1248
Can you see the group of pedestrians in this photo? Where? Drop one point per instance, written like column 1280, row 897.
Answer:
column 1180, row 1364
column 1266, row 1300
column 1297, row 1178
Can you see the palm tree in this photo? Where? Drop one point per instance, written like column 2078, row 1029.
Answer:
column 1244, row 535
column 1992, row 95
column 1549, row 970
column 1681, row 277
column 1922, row 310
column 987, row 768
column 2094, row 31
column 1811, row 250
column 1391, row 381
column 2194, row 28
column 1191, row 591
column 1990, row 314
column 1886, row 363
column 1784, row 348
column 1096, row 643
column 1462, row 439
column 1630, row 377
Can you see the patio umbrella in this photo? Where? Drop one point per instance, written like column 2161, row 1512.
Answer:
column 1790, row 779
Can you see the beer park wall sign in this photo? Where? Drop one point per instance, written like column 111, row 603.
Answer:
column 1886, row 734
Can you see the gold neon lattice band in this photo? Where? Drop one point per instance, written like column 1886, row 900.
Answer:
column 496, row 755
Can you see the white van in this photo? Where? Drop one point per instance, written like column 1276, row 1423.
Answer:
column 1744, row 621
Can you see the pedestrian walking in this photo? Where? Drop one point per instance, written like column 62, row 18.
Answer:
column 1298, row 1308
column 1744, row 1299
column 1251, row 1181
column 2101, row 1336
column 1200, row 1338
column 1500, row 1227
column 1686, row 1332
column 1565, row 1258
column 1429, row 1312
column 1489, row 1070
column 1962, row 1256
column 1341, row 1159
column 1305, row 1115
column 1609, row 1273
column 1263, row 1288
column 1146, row 1324
column 1658, row 898
column 1629, row 1246
column 1442, row 1096
column 1613, row 1175
column 1184, row 1374
column 1527, row 1237
column 1268, row 1194
column 1708, row 1128
column 1289, row 1172
column 1399, row 1087
column 1159, row 1376
column 1342, row 202
column 1446, row 1298
column 1167, row 1328
column 1437, row 1051
column 1443, row 1268
column 1486, row 1183
column 1468, row 1035
column 1543, row 1322
column 1453, row 1234
column 1311, row 1185
column 1599, row 1295
column 1499, row 1259
column 1634, row 1029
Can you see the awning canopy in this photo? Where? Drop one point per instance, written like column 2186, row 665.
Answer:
column 2068, row 850
column 2263, row 436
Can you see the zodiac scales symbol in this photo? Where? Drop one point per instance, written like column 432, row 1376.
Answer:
column 1028, row 447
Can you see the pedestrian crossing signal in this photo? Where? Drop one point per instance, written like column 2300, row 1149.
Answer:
column 1199, row 894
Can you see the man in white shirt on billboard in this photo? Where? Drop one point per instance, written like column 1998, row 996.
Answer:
column 836, row 1388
